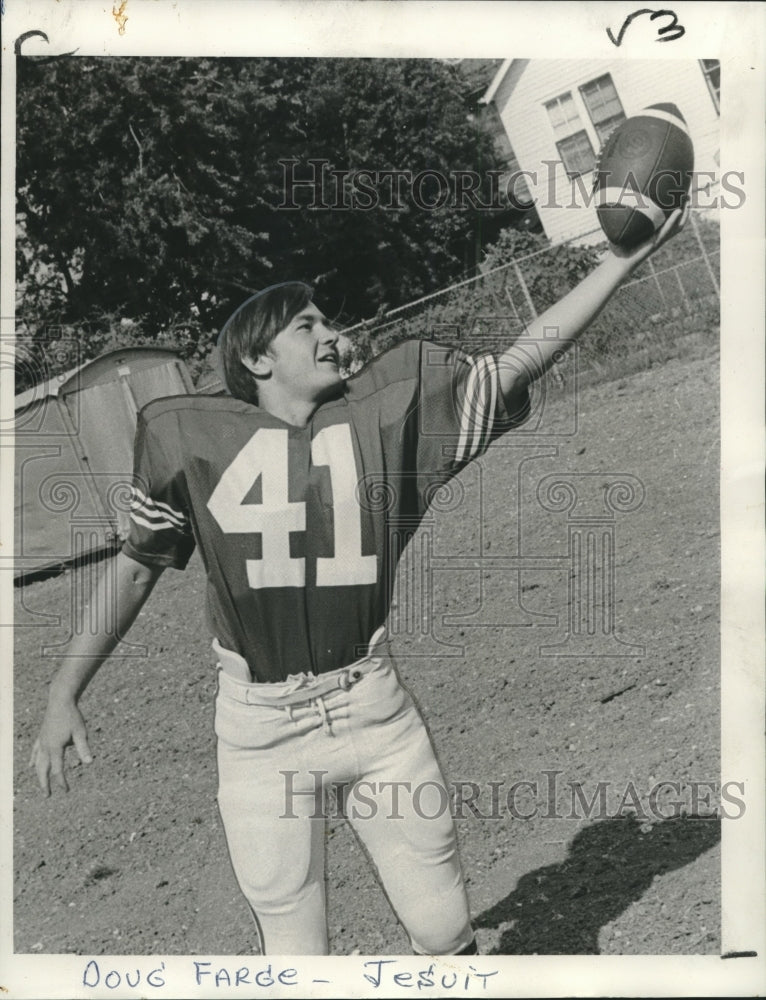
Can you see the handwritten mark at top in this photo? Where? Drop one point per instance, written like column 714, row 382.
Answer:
column 22, row 38
column 38, row 34
column 118, row 13
column 667, row 33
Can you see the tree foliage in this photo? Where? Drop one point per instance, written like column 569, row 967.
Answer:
column 490, row 311
column 665, row 299
column 150, row 190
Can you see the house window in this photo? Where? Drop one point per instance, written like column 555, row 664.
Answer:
column 572, row 140
column 711, row 70
column 603, row 104
column 576, row 153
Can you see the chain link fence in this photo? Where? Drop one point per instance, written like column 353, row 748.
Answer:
column 670, row 305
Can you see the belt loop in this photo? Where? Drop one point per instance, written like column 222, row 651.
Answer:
column 323, row 712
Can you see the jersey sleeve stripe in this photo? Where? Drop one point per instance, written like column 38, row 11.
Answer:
column 478, row 409
column 158, row 516
column 489, row 404
column 157, row 511
column 153, row 525
column 466, row 415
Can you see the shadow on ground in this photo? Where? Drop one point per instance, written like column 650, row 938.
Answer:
column 560, row 909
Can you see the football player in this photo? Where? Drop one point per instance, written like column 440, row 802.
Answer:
column 299, row 489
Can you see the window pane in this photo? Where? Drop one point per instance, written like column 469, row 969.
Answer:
column 711, row 65
column 577, row 154
column 711, row 69
column 602, row 102
column 554, row 112
column 570, row 111
column 563, row 114
column 608, row 125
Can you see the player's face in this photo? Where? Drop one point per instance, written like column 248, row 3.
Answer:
column 304, row 358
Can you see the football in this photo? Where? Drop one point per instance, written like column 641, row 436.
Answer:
column 643, row 174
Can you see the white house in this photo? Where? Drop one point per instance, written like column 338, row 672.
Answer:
column 558, row 112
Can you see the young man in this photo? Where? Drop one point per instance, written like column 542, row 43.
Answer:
column 300, row 490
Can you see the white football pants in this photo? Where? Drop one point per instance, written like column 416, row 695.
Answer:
column 273, row 763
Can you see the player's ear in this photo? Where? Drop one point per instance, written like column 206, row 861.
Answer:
column 260, row 366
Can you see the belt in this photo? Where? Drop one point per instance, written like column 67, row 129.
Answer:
column 299, row 687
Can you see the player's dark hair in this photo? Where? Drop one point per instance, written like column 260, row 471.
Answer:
column 250, row 330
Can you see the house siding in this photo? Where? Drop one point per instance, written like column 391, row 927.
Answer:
column 521, row 99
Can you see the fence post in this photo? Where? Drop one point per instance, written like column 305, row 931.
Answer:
column 525, row 290
column 703, row 251
column 657, row 283
column 591, row 504
column 512, row 304
column 681, row 289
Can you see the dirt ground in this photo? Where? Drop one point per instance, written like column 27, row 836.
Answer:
column 133, row 860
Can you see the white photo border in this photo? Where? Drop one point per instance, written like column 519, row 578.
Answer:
column 731, row 32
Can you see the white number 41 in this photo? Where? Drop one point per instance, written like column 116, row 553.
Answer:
column 265, row 457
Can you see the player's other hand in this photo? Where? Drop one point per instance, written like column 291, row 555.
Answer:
column 63, row 726
column 673, row 225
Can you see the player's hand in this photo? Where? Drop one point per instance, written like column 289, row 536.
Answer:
column 671, row 227
column 63, row 725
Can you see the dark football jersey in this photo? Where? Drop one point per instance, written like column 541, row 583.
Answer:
column 300, row 528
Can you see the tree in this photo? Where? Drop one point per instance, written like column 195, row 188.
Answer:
column 151, row 192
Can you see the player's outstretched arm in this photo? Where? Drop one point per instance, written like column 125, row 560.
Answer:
column 126, row 586
column 532, row 354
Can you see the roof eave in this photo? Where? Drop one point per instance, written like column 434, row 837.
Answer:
column 498, row 79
